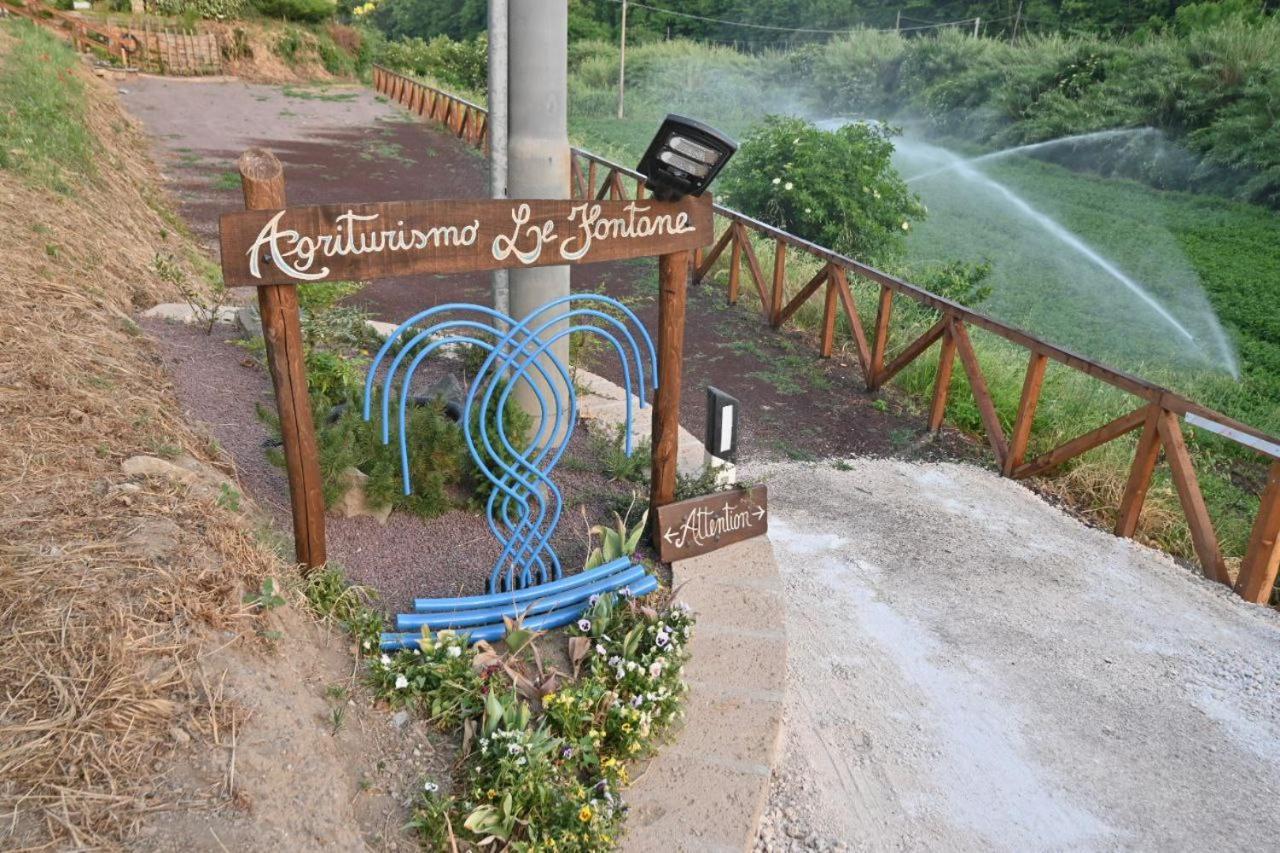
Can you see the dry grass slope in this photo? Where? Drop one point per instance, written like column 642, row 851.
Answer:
column 102, row 633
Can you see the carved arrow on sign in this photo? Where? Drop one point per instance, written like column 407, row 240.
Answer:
column 700, row 525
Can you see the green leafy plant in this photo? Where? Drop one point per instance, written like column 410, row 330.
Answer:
column 837, row 188
column 620, row 540
column 551, row 780
column 302, row 11
column 437, row 679
column 267, row 597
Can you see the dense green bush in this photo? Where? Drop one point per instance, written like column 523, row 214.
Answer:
column 836, row 188
column 302, row 11
column 217, row 10
column 461, row 64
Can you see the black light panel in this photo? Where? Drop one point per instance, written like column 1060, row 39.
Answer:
column 684, row 158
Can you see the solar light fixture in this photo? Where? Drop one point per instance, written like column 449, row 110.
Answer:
column 684, row 158
column 722, row 424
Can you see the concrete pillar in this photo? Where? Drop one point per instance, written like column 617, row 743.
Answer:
column 538, row 147
column 498, row 128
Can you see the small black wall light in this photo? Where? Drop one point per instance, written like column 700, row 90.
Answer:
column 722, row 424
column 684, row 158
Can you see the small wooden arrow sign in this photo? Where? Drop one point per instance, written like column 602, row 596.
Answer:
column 700, row 525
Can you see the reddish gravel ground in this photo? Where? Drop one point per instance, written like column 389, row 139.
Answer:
column 344, row 144
column 220, row 385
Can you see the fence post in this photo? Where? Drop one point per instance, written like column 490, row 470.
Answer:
column 942, row 384
column 1262, row 559
column 881, row 341
column 262, row 179
column 779, row 279
column 673, row 276
column 1026, row 411
column 1144, row 465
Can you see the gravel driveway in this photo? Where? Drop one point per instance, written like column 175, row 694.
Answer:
column 971, row 669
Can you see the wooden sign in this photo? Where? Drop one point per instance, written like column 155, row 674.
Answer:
column 699, row 525
column 368, row 241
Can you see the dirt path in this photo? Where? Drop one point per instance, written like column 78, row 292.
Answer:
column 345, row 144
column 970, row 668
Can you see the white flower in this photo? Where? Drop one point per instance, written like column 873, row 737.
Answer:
column 777, row 181
column 601, row 650
column 401, row 682
column 368, row 645
column 808, row 210
column 615, row 660
column 454, row 651
column 788, row 185
column 520, row 761
column 515, row 748
column 385, row 660
column 655, row 669
column 431, row 787
column 906, row 226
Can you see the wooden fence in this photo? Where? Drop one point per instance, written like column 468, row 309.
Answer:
column 160, row 49
column 1157, row 413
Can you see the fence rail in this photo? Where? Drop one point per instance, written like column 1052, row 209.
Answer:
column 1157, row 414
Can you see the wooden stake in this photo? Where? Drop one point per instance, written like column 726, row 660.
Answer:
column 942, row 385
column 1144, row 465
column 1026, row 412
column 981, row 393
column 262, row 178
column 1187, row 486
column 779, row 279
column 881, row 341
column 673, row 272
column 735, row 264
column 1262, row 559
column 829, row 318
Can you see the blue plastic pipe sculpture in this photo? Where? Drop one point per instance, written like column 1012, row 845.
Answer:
column 524, row 506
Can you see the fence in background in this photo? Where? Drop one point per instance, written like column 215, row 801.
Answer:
column 145, row 45
column 1158, row 412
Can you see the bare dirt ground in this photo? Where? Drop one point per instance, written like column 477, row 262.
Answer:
column 971, row 669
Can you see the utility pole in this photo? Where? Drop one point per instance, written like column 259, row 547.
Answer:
column 976, row 22
column 1017, row 19
column 498, row 130
column 897, row 22
column 539, row 161
column 622, row 58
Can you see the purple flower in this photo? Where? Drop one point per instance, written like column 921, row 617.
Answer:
column 584, row 624
column 662, row 639
column 567, row 754
column 594, row 600
column 637, row 702
column 625, row 592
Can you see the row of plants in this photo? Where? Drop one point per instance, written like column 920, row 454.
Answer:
column 545, row 752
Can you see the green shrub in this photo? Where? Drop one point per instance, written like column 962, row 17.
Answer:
column 550, row 781
column 217, row 10
column 462, row 64
column 837, row 188
column 301, row 11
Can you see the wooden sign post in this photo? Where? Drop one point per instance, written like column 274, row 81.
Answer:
column 700, row 525
column 275, row 248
